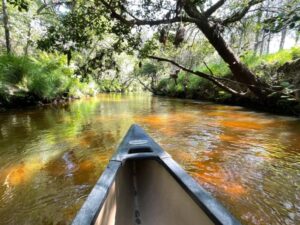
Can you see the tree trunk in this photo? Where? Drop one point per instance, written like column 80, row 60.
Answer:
column 256, row 44
column 268, row 42
column 262, row 43
column 240, row 45
column 6, row 26
column 240, row 72
column 282, row 40
column 297, row 37
column 28, row 39
column 264, row 33
column 257, row 34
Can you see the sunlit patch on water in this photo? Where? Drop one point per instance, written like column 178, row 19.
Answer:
column 21, row 173
column 50, row 158
column 243, row 125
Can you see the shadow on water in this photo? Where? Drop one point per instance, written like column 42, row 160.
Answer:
column 50, row 158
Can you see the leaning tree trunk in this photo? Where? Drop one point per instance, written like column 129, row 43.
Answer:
column 240, row 72
column 6, row 26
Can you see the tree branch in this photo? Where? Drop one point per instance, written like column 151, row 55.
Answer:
column 214, row 8
column 140, row 22
column 241, row 13
column 200, row 74
column 46, row 5
column 144, row 85
column 207, row 67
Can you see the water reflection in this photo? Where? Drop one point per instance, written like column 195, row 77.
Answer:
column 50, row 158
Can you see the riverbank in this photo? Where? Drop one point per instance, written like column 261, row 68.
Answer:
column 45, row 79
column 285, row 109
column 280, row 70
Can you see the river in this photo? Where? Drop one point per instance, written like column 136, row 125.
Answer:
column 50, row 157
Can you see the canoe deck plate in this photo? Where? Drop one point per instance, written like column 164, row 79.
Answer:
column 138, row 142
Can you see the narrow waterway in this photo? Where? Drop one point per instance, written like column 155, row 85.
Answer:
column 51, row 157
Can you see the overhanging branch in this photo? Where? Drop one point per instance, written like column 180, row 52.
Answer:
column 139, row 22
column 200, row 74
column 46, row 5
column 241, row 13
column 214, row 8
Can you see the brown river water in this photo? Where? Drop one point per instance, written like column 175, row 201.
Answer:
column 51, row 157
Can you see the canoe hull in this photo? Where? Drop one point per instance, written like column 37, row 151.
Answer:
column 143, row 185
column 144, row 192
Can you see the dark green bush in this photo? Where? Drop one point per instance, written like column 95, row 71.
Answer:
column 13, row 69
column 44, row 77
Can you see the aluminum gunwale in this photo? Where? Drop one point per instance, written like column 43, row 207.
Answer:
column 136, row 138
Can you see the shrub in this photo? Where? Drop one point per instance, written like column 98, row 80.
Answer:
column 51, row 78
column 110, row 86
column 44, row 77
column 279, row 58
column 78, row 89
column 295, row 52
column 217, row 68
column 14, row 69
column 162, row 85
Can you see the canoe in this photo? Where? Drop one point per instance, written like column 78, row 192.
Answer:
column 143, row 185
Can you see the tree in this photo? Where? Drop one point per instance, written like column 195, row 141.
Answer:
column 206, row 20
column 6, row 26
column 283, row 36
column 257, row 43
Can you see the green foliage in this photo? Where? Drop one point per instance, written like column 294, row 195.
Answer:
column 149, row 48
column 4, row 93
column 45, row 77
column 254, row 61
column 287, row 17
column 79, row 89
column 218, row 69
column 280, row 57
column 70, row 35
column 14, row 69
column 163, row 83
column 149, row 69
column 188, row 85
column 20, row 4
column 88, row 22
column 251, row 60
column 110, row 86
column 295, row 51
column 265, row 66
column 51, row 77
